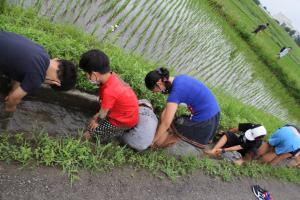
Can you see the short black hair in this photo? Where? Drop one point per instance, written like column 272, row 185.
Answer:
column 94, row 61
column 67, row 74
column 153, row 76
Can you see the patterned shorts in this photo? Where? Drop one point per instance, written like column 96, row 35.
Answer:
column 106, row 131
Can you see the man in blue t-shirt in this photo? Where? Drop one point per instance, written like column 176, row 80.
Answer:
column 28, row 65
column 197, row 129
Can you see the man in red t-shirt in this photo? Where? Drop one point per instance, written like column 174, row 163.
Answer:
column 119, row 104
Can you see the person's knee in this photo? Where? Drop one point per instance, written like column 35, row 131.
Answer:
column 136, row 143
column 268, row 157
column 141, row 148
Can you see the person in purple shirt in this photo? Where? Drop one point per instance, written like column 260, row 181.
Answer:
column 198, row 128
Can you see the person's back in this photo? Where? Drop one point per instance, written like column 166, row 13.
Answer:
column 23, row 60
column 120, row 99
column 285, row 140
column 199, row 99
column 26, row 65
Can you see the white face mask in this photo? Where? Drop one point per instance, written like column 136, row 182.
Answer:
column 93, row 82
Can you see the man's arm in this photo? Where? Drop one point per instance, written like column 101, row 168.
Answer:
column 14, row 98
column 15, row 85
column 233, row 148
column 103, row 113
column 165, row 122
column 94, row 122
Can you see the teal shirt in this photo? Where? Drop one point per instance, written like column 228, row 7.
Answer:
column 285, row 140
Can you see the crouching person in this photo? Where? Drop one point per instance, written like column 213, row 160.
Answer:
column 118, row 102
column 142, row 135
column 246, row 144
column 197, row 129
column 284, row 143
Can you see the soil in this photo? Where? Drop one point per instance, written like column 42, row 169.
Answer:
column 41, row 183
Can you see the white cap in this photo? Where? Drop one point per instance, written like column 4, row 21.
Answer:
column 253, row 133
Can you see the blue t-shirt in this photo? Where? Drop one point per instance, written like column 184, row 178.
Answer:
column 199, row 99
column 23, row 60
column 285, row 140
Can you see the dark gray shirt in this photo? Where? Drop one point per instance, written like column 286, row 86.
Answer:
column 23, row 60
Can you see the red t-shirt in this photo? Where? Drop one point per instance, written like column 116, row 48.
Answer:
column 121, row 101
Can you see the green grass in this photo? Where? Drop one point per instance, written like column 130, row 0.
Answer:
column 72, row 154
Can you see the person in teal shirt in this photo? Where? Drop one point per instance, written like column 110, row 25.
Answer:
column 283, row 143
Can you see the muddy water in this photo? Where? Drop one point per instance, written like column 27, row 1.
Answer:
column 171, row 31
column 45, row 113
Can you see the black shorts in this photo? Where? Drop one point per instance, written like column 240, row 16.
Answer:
column 196, row 133
column 106, row 131
column 295, row 152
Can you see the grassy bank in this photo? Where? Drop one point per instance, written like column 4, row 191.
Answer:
column 72, row 154
column 243, row 17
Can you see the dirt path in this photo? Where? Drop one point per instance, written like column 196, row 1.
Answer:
column 126, row 183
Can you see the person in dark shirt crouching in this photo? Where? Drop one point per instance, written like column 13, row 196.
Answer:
column 247, row 143
column 28, row 65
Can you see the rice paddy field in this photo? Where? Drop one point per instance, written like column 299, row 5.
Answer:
column 194, row 37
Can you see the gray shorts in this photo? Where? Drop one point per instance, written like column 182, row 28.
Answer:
column 142, row 135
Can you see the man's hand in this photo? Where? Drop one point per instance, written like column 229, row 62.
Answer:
column 11, row 109
column 218, row 152
column 13, row 99
column 166, row 119
column 93, row 124
column 159, row 139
